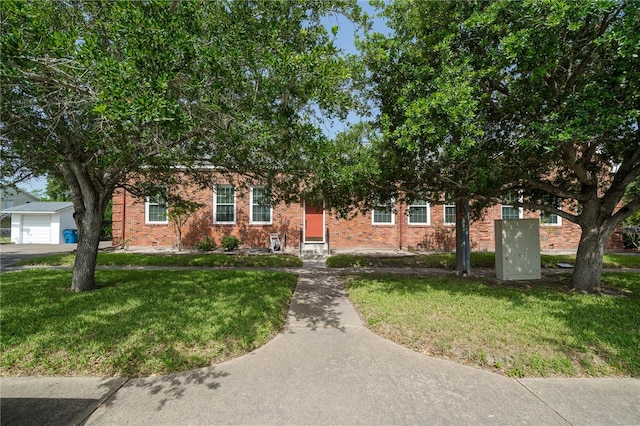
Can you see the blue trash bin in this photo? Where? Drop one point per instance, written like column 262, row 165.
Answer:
column 70, row 236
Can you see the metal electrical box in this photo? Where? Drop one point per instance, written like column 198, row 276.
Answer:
column 517, row 249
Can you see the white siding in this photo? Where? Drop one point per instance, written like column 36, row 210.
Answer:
column 66, row 222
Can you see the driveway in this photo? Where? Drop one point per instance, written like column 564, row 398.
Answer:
column 12, row 253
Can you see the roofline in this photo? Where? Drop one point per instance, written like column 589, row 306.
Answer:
column 19, row 190
column 37, row 211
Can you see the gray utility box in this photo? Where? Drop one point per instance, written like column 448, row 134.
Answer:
column 517, row 249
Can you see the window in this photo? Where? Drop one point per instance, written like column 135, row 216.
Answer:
column 383, row 215
column 509, row 212
column 260, row 206
column 419, row 213
column 156, row 207
column 450, row 214
column 224, row 205
column 551, row 219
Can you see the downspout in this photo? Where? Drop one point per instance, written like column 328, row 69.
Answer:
column 400, row 217
column 123, row 215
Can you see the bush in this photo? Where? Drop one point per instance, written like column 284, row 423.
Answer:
column 230, row 242
column 206, row 244
column 631, row 238
column 106, row 231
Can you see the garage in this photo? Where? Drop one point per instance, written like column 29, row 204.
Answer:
column 36, row 229
column 41, row 222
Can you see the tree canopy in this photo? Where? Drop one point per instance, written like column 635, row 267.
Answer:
column 531, row 102
column 108, row 93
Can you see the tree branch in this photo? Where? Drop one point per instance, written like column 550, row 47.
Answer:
column 542, row 186
column 570, row 155
column 546, row 208
column 59, row 83
column 627, row 210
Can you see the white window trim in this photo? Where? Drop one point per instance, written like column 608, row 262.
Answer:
column 520, row 211
column 427, row 223
column 444, row 214
column 215, row 205
column 253, row 222
column 559, row 223
column 393, row 216
column 147, row 203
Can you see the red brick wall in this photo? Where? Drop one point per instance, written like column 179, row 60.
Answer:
column 359, row 233
column 287, row 221
column 355, row 233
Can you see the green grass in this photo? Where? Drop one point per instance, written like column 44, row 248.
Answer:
column 529, row 329
column 137, row 323
column 436, row 260
column 612, row 260
column 478, row 260
column 179, row 260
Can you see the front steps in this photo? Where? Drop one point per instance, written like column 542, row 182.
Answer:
column 312, row 251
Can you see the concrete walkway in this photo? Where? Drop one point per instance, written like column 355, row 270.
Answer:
column 324, row 368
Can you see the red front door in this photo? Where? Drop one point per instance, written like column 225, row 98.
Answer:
column 313, row 223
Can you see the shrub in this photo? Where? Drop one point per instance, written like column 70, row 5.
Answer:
column 230, row 242
column 106, row 231
column 206, row 244
column 631, row 238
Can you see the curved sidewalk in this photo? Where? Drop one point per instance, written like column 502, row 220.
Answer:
column 325, row 367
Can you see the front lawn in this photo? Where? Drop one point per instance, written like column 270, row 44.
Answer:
column 478, row 260
column 180, row 260
column 524, row 329
column 434, row 260
column 137, row 323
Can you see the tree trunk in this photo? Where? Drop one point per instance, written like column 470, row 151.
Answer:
column 89, row 227
column 587, row 271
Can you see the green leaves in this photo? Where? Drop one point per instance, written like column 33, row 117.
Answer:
column 231, row 82
column 120, row 93
column 481, row 99
column 477, row 83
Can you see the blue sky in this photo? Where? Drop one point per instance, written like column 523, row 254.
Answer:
column 345, row 40
column 33, row 185
column 346, row 28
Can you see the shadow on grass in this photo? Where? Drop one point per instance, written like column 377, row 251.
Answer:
column 596, row 329
column 173, row 260
column 139, row 322
column 478, row 260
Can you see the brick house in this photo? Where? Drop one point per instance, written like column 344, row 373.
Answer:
column 247, row 214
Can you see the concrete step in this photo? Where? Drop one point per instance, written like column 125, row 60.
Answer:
column 314, row 251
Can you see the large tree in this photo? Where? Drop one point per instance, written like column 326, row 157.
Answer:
column 108, row 94
column 531, row 102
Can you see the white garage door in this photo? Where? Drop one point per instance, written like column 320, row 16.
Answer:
column 36, row 229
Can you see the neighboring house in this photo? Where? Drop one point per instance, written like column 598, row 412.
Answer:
column 41, row 222
column 10, row 197
column 248, row 215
